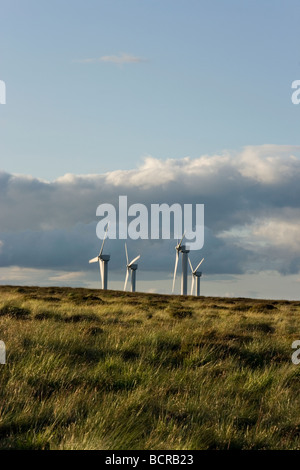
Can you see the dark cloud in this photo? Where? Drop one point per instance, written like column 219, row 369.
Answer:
column 72, row 249
column 251, row 212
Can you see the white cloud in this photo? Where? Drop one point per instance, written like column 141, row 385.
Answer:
column 269, row 164
column 67, row 276
column 19, row 274
column 240, row 186
column 251, row 211
column 279, row 233
column 115, row 59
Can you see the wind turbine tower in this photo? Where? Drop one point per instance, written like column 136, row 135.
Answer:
column 196, row 275
column 184, row 252
column 103, row 263
column 184, row 275
column 131, row 267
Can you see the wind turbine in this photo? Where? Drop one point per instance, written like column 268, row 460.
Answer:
column 181, row 249
column 131, row 267
column 103, row 261
column 196, row 274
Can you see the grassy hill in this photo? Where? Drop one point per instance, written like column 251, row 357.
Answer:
column 88, row 369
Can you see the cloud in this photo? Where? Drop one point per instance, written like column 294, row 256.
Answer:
column 16, row 275
column 251, row 202
column 279, row 233
column 115, row 59
column 66, row 277
column 268, row 163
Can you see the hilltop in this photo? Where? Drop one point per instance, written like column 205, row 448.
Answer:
column 91, row 369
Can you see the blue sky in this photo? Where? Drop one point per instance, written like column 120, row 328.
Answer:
column 213, row 76
column 95, row 87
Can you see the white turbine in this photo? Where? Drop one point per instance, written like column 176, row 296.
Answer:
column 181, row 249
column 196, row 275
column 103, row 261
column 131, row 267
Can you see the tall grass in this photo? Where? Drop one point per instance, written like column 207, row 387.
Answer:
column 103, row 370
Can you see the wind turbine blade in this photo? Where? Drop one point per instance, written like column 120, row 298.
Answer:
column 199, row 264
column 193, row 282
column 94, row 260
column 134, row 260
column 179, row 245
column 126, row 279
column 127, row 261
column 101, row 269
column 191, row 265
column 175, row 270
column 102, row 246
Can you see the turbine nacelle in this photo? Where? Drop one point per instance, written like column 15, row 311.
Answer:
column 104, row 257
column 183, row 249
column 100, row 258
column 197, row 274
column 133, row 267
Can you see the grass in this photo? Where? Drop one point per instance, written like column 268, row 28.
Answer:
column 88, row 369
